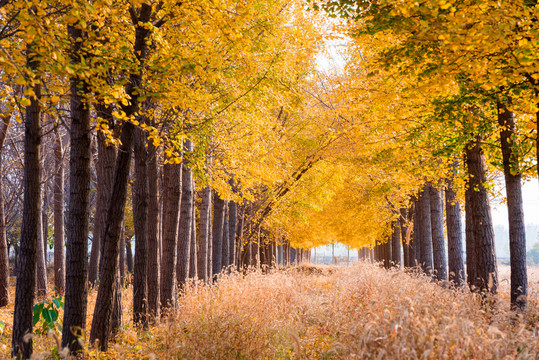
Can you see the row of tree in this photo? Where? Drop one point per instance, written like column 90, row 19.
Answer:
column 454, row 85
column 205, row 131
column 144, row 118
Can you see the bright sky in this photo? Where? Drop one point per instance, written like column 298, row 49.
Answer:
column 530, row 195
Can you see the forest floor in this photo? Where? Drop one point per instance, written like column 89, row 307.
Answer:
column 324, row 312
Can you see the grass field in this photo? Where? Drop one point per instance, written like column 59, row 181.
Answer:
column 355, row 312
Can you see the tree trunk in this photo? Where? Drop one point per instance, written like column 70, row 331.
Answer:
column 45, row 225
column 122, row 255
column 224, row 259
column 129, row 256
column 101, row 321
column 255, row 250
column 485, row 254
column 4, row 250
column 425, row 231
column 117, row 320
column 106, row 158
column 210, row 240
column 454, row 235
column 141, row 195
column 239, row 242
column 396, row 244
column 41, row 271
column 76, row 296
column 513, row 188
column 217, row 234
column 58, row 198
column 153, row 273
column 415, row 254
column 203, row 232
column 471, row 272
column 186, row 219
column 194, row 250
column 24, row 293
column 172, row 182
column 405, row 242
column 437, row 227
column 4, row 259
column 386, row 248
column 232, row 221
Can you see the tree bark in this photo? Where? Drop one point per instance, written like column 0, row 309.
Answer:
column 121, row 262
column 425, row 231
column 239, row 241
column 101, row 321
column 58, row 198
column 217, row 234
column 224, row 259
column 232, row 222
column 437, row 227
column 405, row 243
column 210, row 240
column 186, row 219
column 415, row 254
column 471, row 273
column 517, row 228
column 4, row 258
column 396, row 244
column 117, row 314
column 24, row 292
column 41, row 271
column 76, row 294
column 172, row 182
column 203, row 234
column 129, row 256
column 194, row 250
column 106, row 158
column 141, row 197
column 454, row 235
column 485, row 254
column 153, row 274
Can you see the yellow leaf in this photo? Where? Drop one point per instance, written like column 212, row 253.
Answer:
column 25, row 101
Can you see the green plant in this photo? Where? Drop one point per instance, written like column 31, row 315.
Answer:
column 47, row 312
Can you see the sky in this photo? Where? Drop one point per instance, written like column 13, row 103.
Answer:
column 530, row 197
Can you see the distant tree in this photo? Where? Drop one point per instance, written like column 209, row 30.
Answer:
column 4, row 260
column 204, row 254
column 533, row 254
column 186, row 218
column 437, row 226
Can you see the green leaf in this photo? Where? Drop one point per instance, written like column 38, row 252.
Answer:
column 47, row 316
column 57, row 303
column 54, row 315
column 35, row 319
column 2, row 326
column 38, row 309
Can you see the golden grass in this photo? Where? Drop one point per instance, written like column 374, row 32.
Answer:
column 321, row 312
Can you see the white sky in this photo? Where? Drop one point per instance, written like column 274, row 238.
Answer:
column 530, row 197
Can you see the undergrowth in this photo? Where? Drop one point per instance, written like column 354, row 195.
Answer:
column 356, row 312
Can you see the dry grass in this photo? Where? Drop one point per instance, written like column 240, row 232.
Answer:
column 352, row 312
